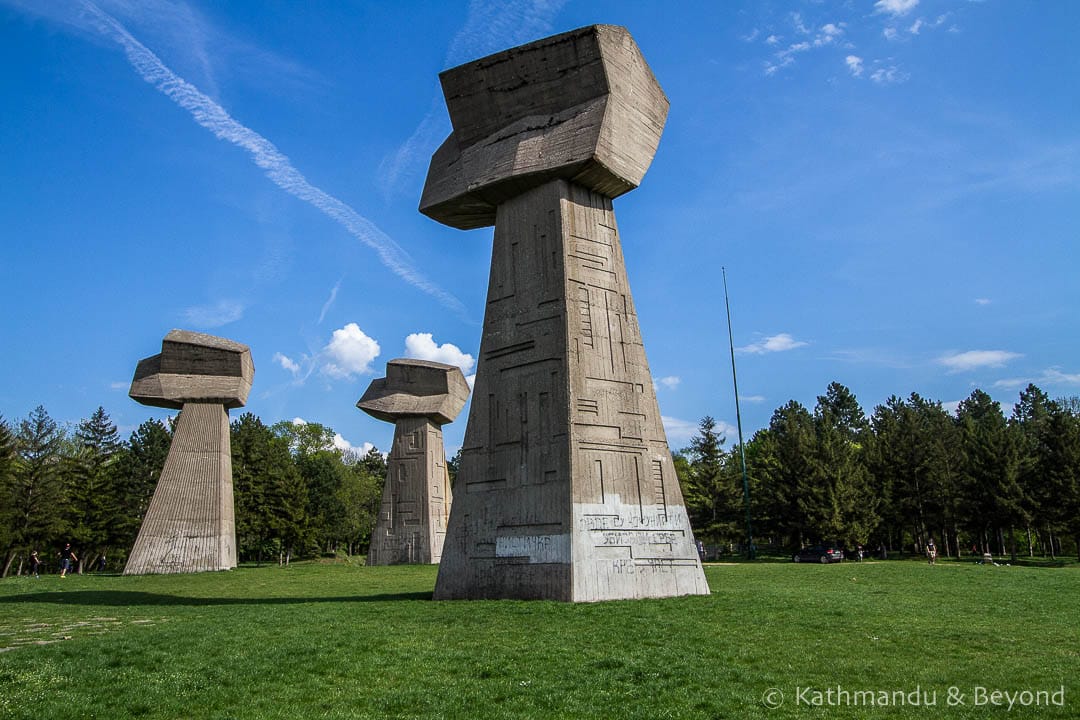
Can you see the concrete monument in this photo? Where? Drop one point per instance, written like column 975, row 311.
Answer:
column 189, row 526
column 566, row 488
column 419, row 397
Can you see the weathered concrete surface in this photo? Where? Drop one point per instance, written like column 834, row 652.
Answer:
column 189, row 525
column 418, row 397
column 566, row 488
column 583, row 106
column 194, row 367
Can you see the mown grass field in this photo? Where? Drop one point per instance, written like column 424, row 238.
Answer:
column 346, row 641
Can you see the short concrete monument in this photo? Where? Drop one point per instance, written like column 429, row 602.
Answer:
column 189, row 526
column 419, row 397
column 566, row 488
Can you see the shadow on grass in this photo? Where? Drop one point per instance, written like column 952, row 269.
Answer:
column 128, row 598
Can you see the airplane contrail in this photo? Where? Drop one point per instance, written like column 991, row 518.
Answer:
column 274, row 163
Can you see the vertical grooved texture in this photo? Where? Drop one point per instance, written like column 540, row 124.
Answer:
column 411, row 524
column 189, row 526
column 551, row 499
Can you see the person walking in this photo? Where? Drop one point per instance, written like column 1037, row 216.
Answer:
column 35, row 564
column 67, row 557
column 931, row 552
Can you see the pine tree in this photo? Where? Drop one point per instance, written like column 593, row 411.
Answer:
column 91, row 475
column 7, row 486
column 991, row 469
column 709, row 489
column 38, row 495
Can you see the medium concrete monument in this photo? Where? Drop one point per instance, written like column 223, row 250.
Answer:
column 189, row 526
column 566, row 488
column 419, row 397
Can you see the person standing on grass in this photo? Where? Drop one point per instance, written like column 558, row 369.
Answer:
column 67, row 557
column 35, row 564
column 931, row 552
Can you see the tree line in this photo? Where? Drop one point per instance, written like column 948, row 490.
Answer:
column 975, row 481
column 295, row 493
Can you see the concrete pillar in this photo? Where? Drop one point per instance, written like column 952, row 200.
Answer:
column 566, row 488
column 419, row 397
column 189, row 525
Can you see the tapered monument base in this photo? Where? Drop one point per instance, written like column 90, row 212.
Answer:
column 189, row 526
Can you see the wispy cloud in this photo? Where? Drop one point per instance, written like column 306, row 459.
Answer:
column 217, row 314
column 854, row 64
column 350, row 352
column 264, row 154
column 889, row 75
column 119, row 385
column 287, row 363
column 679, row 431
column 490, row 26
column 982, row 301
column 827, row 34
column 329, row 301
column 422, row 346
column 774, row 343
column 754, row 399
column 895, row 8
column 1051, row 377
column 670, row 382
column 972, row 359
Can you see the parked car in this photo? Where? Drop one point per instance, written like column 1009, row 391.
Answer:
column 823, row 554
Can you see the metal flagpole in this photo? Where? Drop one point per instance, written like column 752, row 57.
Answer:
column 750, row 552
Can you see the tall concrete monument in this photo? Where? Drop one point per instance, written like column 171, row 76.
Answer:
column 419, row 397
column 566, row 488
column 189, row 526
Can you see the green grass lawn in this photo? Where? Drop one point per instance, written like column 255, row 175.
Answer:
column 341, row 641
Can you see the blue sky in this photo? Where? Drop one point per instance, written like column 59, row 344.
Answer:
column 893, row 187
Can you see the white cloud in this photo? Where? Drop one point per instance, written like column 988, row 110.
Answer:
column 854, row 64
column 286, row 363
column 220, row 313
column 119, row 385
column 890, row 33
column 471, row 380
column 895, row 8
column 345, row 446
column 421, row 346
column 951, row 407
column 972, row 359
column 773, row 343
column 670, row 382
column 340, row 442
column 888, row 75
column 755, row 399
column 752, row 36
column 1050, row 377
column 916, row 26
column 349, row 352
column 797, row 21
column 772, row 40
column 982, row 301
column 679, row 431
column 828, row 34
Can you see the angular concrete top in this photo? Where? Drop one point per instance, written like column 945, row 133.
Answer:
column 194, row 367
column 416, row 388
column 582, row 105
